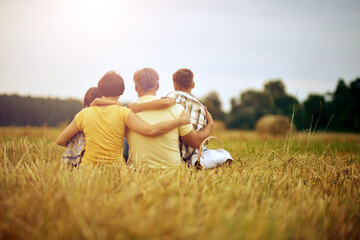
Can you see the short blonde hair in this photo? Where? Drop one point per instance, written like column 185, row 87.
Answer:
column 146, row 79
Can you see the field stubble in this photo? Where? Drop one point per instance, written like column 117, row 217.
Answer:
column 298, row 188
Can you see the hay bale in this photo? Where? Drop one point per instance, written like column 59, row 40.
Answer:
column 273, row 125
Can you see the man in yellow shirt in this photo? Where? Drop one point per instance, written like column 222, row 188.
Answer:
column 160, row 151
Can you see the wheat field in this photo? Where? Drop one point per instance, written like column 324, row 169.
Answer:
column 306, row 186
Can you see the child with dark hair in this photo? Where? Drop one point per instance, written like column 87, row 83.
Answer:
column 90, row 95
column 75, row 147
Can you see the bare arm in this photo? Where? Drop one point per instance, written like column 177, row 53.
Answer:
column 194, row 139
column 103, row 102
column 153, row 105
column 140, row 126
column 67, row 134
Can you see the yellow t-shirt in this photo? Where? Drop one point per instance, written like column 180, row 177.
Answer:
column 160, row 151
column 104, row 129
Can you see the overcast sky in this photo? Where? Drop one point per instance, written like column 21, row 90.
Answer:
column 61, row 48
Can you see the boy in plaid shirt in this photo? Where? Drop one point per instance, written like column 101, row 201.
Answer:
column 183, row 84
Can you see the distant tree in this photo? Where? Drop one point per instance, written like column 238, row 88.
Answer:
column 313, row 114
column 345, row 106
column 214, row 106
column 21, row 111
column 355, row 86
column 254, row 104
column 355, row 110
column 286, row 104
column 243, row 118
column 275, row 88
column 261, row 101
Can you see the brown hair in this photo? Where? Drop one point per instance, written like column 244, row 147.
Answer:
column 111, row 85
column 183, row 78
column 146, row 79
column 90, row 95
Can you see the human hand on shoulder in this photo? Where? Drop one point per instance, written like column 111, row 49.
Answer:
column 209, row 117
column 104, row 102
column 95, row 102
column 135, row 107
column 185, row 118
column 168, row 101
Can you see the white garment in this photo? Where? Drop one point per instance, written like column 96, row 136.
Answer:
column 211, row 158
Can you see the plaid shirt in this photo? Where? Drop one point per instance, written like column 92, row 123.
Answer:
column 74, row 150
column 198, row 119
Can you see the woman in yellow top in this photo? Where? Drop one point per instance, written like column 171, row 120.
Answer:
column 104, row 126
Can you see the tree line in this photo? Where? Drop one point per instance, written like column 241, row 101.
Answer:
column 20, row 111
column 336, row 111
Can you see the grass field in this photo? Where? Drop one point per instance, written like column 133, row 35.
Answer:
column 303, row 187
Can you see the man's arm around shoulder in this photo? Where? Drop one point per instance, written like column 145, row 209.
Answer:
column 194, row 138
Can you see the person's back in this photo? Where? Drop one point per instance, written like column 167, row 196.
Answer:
column 183, row 84
column 104, row 129
column 161, row 151
column 198, row 118
column 75, row 147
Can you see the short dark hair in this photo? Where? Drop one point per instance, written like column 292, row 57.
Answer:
column 111, row 85
column 90, row 95
column 183, row 78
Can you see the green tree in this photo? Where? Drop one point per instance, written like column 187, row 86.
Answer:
column 315, row 112
column 355, row 110
column 284, row 103
column 214, row 106
column 345, row 106
column 21, row 111
column 275, row 88
column 252, row 105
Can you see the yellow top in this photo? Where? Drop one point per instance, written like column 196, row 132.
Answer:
column 160, row 151
column 104, row 129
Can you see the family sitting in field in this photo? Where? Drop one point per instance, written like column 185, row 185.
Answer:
column 153, row 132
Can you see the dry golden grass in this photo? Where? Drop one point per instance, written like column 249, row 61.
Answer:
column 296, row 188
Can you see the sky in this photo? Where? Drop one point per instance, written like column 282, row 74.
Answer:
column 61, row 48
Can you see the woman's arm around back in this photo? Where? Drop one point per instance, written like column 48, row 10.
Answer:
column 140, row 126
column 67, row 134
